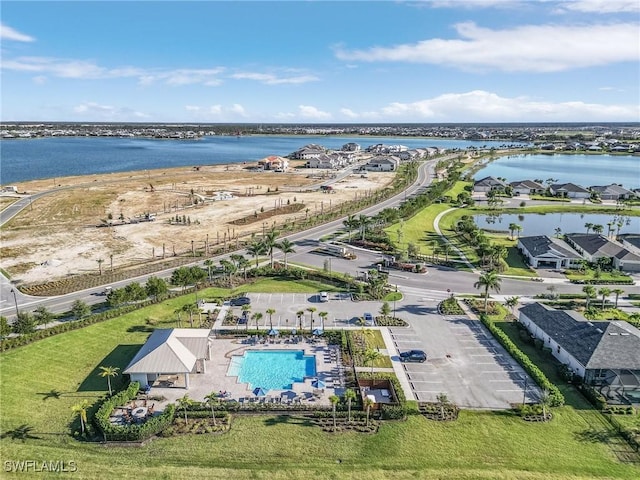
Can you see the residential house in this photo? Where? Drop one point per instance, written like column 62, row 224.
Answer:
column 309, row 151
column 487, row 184
column 274, row 163
column 543, row 251
column 612, row 192
column 526, row 187
column 351, row 147
column 604, row 354
column 326, row 161
column 171, row 354
column 569, row 190
column 383, row 163
column 593, row 246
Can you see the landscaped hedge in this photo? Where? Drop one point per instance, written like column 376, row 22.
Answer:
column 13, row 342
column 556, row 398
column 134, row 432
column 593, row 281
column 594, row 396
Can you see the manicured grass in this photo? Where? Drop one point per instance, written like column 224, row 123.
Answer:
column 589, row 274
column 392, row 296
column 514, row 259
column 418, row 229
column 578, row 443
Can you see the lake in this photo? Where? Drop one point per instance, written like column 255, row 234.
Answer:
column 585, row 170
column 22, row 160
column 537, row 224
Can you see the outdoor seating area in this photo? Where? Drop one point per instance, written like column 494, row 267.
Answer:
column 277, row 338
column 135, row 412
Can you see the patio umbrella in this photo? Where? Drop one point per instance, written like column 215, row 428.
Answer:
column 317, row 383
column 317, row 331
column 273, row 332
column 259, row 392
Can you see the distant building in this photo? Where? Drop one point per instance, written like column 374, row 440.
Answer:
column 351, row 147
column 10, row 189
column 309, row 151
column 383, row 164
column 612, row 192
column 526, row 187
column 604, row 354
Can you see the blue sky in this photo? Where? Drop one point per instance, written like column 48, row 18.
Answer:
column 321, row 62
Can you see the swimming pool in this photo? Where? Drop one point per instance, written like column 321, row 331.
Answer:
column 272, row 369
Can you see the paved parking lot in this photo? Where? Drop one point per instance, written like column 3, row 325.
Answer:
column 342, row 311
column 464, row 361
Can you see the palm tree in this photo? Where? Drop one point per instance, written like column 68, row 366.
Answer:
column 257, row 317
column 81, row 409
column 334, row 399
column 597, row 228
column 545, row 401
column 349, row 396
column 489, row 281
column 286, row 247
column 256, row 248
column 209, row 264
column 363, row 222
column 605, row 292
column 518, row 229
column 588, row 226
column 190, row 308
column 618, row 292
column 245, row 314
column 512, row 228
column 590, row 292
column 212, row 401
column 100, row 262
column 370, row 357
column 300, row 314
column 184, row 403
column 109, row 372
column 512, row 303
column 270, row 312
column 351, row 222
column 229, row 268
column 323, row 317
column 270, row 244
column 368, row 403
column 558, row 232
column 243, row 264
column 311, row 310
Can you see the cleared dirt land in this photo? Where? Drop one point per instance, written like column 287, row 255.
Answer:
column 60, row 234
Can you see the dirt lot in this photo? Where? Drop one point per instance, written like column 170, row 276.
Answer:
column 59, row 235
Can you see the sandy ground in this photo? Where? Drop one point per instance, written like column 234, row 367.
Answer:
column 58, row 235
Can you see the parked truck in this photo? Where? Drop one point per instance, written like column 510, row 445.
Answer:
column 337, row 250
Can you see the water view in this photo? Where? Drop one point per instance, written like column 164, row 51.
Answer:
column 538, row 224
column 22, row 160
column 585, row 170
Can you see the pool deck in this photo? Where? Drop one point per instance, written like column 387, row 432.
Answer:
column 328, row 369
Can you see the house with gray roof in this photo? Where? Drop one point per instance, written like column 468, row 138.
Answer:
column 383, row 163
column 542, row 251
column 606, row 354
column 487, row 184
column 593, row 246
column 569, row 190
column 171, row 353
column 527, row 187
column 612, row 192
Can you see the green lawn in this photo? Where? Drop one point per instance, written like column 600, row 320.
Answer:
column 418, row 229
column 589, row 274
column 514, row 259
column 41, row 381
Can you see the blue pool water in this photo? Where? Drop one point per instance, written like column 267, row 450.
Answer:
column 272, row 369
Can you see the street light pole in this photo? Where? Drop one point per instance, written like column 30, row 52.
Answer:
column 15, row 300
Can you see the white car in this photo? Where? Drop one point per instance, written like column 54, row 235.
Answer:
column 324, row 297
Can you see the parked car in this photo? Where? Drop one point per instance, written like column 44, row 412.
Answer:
column 368, row 319
column 413, row 356
column 238, row 302
column 324, row 297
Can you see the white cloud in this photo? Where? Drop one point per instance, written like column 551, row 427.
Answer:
column 94, row 111
column 8, row 33
column 88, row 70
column 469, row 4
column 530, row 48
column 482, row 106
column 309, row 112
column 271, row 79
column 217, row 112
column 600, row 6
column 347, row 112
column 40, row 79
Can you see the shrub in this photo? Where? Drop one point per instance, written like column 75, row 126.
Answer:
column 555, row 396
column 393, row 412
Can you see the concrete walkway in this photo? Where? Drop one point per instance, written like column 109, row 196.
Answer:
column 436, row 227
